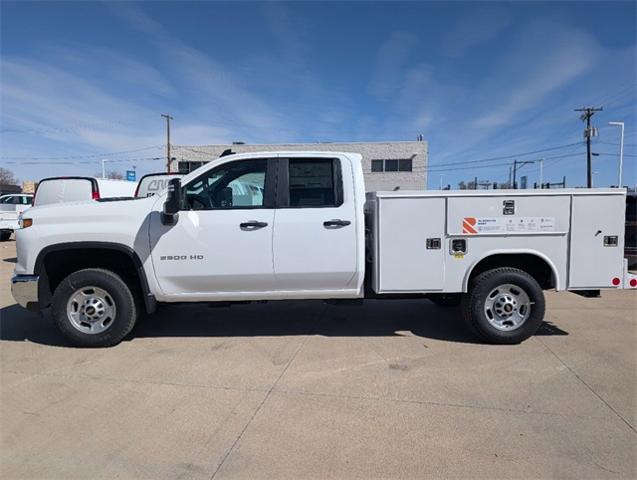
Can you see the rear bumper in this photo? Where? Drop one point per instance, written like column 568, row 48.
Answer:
column 24, row 289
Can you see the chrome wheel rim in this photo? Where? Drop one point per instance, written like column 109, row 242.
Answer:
column 507, row 307
column 91, row 310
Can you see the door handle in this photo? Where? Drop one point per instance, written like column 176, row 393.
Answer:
column 337, row 223
column 252, row 225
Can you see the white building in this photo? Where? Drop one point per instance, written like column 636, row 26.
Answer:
column 386, row 165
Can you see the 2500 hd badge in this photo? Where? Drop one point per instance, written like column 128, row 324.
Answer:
column 181, row 257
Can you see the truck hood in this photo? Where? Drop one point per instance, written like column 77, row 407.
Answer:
column 91, row 210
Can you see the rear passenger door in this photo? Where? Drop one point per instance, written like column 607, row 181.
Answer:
column 314, row 228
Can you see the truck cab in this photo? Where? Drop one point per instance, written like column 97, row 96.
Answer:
column 255, row 227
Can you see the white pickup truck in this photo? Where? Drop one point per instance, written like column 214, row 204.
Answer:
column 298, row 225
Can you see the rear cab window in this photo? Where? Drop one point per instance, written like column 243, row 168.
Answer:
column 313, row 183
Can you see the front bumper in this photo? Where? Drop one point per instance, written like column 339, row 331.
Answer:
column 24, row 289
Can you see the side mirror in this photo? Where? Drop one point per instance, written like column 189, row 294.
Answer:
column 173, row 202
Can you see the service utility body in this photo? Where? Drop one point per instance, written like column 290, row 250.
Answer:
column 299, row 225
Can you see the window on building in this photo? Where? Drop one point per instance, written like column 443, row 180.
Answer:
column 392, row 165
column 377, row 165
column 313, row 182
column 187, row 167
column 405, row 165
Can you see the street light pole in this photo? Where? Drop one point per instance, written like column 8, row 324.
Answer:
column 621, row 151
column 104, row 167
column 541, row 172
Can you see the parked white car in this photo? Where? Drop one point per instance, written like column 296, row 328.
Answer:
column 298, row 225
column 74, row 189
column 11, row 206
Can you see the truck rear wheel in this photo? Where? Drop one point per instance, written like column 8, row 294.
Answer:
column 93, row 308
column 5, row 235
column 504, row 305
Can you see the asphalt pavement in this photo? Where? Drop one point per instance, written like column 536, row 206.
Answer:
column 390, row 389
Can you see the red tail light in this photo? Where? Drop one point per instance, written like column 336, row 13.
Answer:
column 633, row 282
column 96, row 195
column 616, row 281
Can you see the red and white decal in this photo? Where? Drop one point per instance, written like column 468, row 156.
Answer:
column 468, row 225
column 499, row 225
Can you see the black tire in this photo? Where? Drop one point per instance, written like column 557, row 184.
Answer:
column 125, row 313
column 5, row 235
column 473, row 305
column 445, row 299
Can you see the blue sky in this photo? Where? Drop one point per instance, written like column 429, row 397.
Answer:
column 478, row 80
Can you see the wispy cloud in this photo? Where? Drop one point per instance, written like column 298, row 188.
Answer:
column 543, row 60
column 482, row 23
column 390, row 63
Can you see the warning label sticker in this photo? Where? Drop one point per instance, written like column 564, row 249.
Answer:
column 475, row 225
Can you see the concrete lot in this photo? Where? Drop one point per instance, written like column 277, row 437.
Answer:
column 305, row 390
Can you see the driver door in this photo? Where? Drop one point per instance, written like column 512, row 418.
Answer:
column 220, row 246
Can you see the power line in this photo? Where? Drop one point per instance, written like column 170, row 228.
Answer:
column 615, row 154
column 40, row 162
column 442, row 168
column 71, row 157
column 506, row 157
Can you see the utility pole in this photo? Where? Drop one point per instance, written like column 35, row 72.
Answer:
column 168, row 119
column 541, row 172
column 515, row 169
column 587, row 113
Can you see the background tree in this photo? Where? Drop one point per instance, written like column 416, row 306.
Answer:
column 7, row 177
column 470, row 185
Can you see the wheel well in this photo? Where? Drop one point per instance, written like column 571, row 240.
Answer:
column 532, row 264
column 58, row 264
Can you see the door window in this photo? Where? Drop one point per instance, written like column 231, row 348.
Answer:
column 314, row 182
column 240, row 184
column 12, row 200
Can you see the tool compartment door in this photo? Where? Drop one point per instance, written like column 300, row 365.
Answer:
column 593, row 262
column 405, row 262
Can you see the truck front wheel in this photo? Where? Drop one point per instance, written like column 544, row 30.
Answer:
column 93, row 308
column 504, row 305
